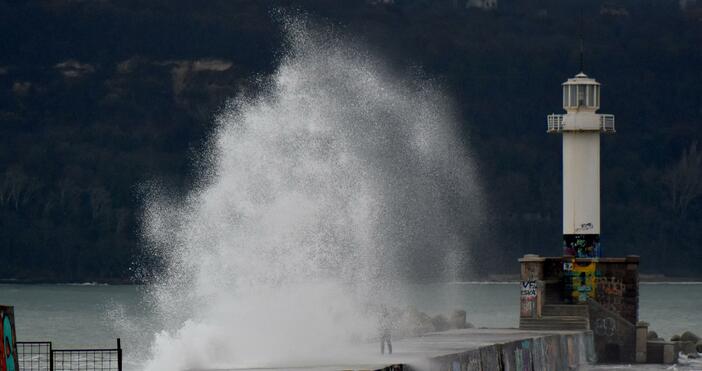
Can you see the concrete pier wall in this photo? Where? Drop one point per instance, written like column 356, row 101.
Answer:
column 479, row 349
column 541, row 352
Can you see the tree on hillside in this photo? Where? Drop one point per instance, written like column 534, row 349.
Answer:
column 684, row 180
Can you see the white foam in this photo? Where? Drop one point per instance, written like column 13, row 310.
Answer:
column 318, row 196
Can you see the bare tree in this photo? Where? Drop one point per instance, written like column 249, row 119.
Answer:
column 684, row 180
column 16, row 188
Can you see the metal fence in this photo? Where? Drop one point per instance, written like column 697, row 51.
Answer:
column 34, row 355
column 40, row 356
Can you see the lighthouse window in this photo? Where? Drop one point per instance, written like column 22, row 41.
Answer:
column 573, row 96
column 565, row 96
column 581, row 95
column 597, row 96
column 591, row 95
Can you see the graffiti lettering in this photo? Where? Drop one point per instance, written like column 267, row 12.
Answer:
column 528, row 288
column 610, row 291
column 610, row 286
column 579, row 282
column 522, row 358
column 527, row 298
column 582, row 245
column 8, row 347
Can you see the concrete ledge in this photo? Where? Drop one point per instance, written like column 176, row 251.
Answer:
column 467, row 350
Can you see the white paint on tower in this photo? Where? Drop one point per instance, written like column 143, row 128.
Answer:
column 581, row 127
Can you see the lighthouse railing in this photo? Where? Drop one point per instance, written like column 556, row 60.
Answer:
column 554, row 123
column 607, row 124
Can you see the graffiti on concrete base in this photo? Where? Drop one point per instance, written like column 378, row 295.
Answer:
column 580, row 281
column 8, row 348
column 522, row 359
column 529, row 288
column 527, row 298
column 610, row 293
column 605, row 326
column 582, row 245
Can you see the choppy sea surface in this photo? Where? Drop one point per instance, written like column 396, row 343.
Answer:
column 83, row 315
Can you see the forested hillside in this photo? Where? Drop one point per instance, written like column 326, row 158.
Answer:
column 99, row 97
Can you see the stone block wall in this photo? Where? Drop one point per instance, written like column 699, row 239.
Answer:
column 615, row 337
column 618, row 287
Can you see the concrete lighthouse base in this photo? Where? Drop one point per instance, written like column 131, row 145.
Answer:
column 601, row 295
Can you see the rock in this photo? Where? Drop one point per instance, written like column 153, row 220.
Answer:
column 675, row 338
column 652, row 335
column 687, row 347
column 689, row 336
column 458, row 319
column 699, row 346
column 440, row 323
column 418, row 322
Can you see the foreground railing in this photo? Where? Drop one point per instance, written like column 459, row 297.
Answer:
column 40, row 356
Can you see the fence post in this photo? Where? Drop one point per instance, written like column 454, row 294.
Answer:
column 119, row 354
column 51, row 357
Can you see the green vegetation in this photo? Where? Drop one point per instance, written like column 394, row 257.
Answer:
column 99, row 97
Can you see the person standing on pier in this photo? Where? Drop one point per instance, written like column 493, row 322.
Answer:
column 385, row 330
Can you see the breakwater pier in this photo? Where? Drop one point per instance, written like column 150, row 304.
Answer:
column 468, row 349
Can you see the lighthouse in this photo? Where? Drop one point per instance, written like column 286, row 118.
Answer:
column 580, row 127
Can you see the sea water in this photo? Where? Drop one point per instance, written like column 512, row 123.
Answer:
column 81, row 316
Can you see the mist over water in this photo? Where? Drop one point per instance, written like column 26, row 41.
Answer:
column 335, row 183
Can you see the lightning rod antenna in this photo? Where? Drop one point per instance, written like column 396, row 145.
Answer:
column 582, row 43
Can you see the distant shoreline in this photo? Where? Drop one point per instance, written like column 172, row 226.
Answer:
column 8, row 281
column 501, row 279
column 644, row 278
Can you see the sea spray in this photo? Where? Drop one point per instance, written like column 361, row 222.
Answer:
column 336, row 182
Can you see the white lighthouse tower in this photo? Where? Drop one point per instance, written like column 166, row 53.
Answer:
column 581, row 127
